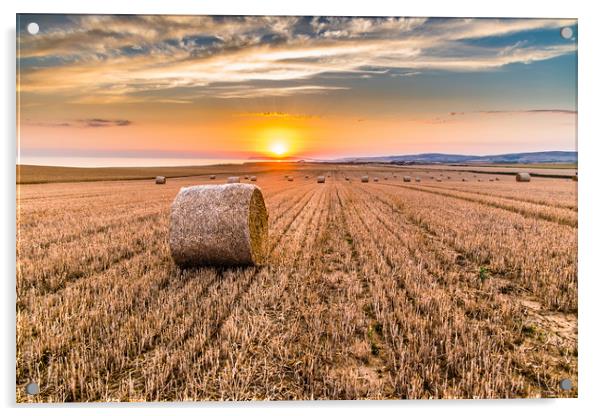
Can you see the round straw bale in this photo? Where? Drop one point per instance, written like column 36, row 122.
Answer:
column 417, row 179
column 438, row 179
column 233, row 179
column 365, row 179
column 225, row 225
column 407, row 179
column 375, row 179
column 321, row 179
column 523, row 177
column 246, row 177
column 346, row 178
column 160, row 180
column 253, row 178
column 290, row 178
column 211, row 176
column 306, row 176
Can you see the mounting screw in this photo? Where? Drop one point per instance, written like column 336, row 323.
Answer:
column 566, row 384
column 32, row 388
column 566, row 32
column 33, row 28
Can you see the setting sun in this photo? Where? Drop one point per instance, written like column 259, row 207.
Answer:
column 279, row 148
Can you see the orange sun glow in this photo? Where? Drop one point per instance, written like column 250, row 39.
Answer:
column 278, row 148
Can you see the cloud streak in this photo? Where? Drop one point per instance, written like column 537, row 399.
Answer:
column 86, row 123
column 107, row 59
column 529, row 111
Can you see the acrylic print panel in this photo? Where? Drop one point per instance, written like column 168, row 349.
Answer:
column 294, row 208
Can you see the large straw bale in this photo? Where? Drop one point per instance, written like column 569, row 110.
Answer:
column 233, row 179
column 407, row 179
column 321, row 179
column 160, row 180
column 523, row 177
column 224, row 225
column 365, row 179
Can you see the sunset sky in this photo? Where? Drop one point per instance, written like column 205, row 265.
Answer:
column 119, row 90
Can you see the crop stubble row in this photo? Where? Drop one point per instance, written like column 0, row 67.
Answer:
column 363, row 299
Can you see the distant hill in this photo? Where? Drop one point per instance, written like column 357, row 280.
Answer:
column 443, row 158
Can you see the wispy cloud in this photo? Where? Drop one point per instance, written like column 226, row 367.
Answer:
column 84, row 123
column 252, row 92
column 278, row 114
column 107, row 59
column 532, row 111
column 528, row 111
column 100, row 122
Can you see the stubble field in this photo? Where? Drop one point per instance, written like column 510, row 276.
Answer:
column 381, row 290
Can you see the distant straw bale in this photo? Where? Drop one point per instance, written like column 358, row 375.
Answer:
column 233, row 179
column 211, row 176
column 290, row 178
column 321, row 179
column 225, row 225
column 407, row 179
column 253, row 178
column 417, row 179
column 375, row 179
column 523, row 177
column 365, row 179
column 160, row 180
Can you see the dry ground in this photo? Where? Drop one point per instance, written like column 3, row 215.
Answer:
column 373, row 291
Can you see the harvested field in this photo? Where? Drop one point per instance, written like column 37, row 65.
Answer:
column 378, row 290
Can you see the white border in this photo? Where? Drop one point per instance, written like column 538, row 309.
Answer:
column 590, row 154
